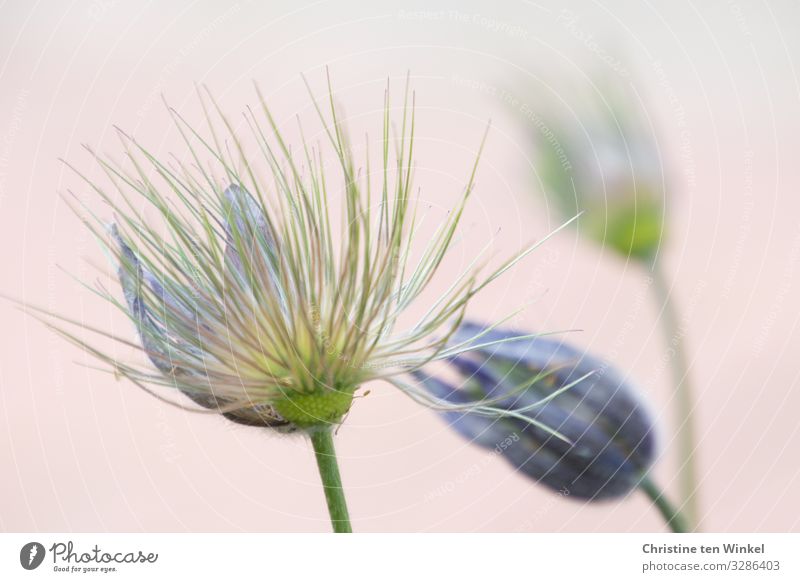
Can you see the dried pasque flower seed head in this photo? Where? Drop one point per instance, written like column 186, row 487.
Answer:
column 245, row 296
column 605, row 441
column 597, row 155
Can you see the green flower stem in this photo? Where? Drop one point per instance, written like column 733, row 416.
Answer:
column 322, row 440
column 684, row 397
column 674, row 518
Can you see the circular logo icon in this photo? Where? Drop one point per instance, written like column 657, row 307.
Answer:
column 31, row 555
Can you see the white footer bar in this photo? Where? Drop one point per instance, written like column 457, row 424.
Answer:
column 406, row 557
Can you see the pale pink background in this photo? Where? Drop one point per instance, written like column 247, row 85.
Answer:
column 82, row 452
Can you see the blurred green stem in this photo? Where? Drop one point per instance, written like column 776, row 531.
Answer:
column 684, row 397
column 675, row 520
column 322, row 440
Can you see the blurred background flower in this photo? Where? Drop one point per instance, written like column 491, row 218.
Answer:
column 597, row 156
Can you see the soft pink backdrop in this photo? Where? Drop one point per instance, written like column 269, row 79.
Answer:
column 80, row 451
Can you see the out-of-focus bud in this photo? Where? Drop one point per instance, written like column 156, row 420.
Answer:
column 598, row 155
column 608, row 439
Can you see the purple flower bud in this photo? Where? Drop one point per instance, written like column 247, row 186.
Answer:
column 610, row 432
